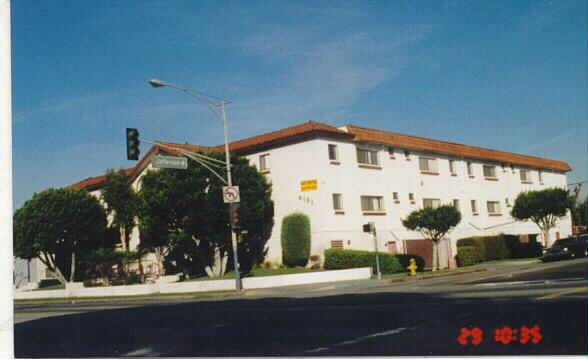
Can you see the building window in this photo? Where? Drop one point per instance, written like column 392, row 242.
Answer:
column 428, row 165
column 525, row 175
column 372, row 203
column 470, row 169
column 395, row 197
column 431, row 203
column 337, row 202
column 391, row 152
column 411, row 197
column 489, row 171
column 407, row 154
column 264, row 162
column 540, row 177
column 474, row 207
column 493, row 207
column 456, row 203
column 333, row 153
column 452, row 167
column 367, row 157
column 507, row 202
column 336, row 244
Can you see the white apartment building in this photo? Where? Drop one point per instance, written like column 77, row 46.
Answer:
column 345, row 177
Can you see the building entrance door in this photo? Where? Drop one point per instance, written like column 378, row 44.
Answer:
column 422, row 248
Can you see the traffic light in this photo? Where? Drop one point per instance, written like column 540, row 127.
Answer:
column 235, row 216
column 133, row 144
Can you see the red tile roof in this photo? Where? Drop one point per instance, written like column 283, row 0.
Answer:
column 275, row 137
column 466, row 151
column 93, row 182
column 357, row 133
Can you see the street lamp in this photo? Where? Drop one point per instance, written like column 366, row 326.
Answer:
column 207, row 100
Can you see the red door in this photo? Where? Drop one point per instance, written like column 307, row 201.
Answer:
column 422, row 248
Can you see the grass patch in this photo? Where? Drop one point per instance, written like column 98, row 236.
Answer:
column 509, row 260
column 259, row 272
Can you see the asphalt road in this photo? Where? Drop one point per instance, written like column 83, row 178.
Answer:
column 362, row 318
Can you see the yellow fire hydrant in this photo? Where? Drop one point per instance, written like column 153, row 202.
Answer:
column 412, row 267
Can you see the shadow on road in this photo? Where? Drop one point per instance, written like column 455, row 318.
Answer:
column 357, row 324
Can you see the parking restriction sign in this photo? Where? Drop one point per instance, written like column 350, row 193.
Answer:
column 231, row 194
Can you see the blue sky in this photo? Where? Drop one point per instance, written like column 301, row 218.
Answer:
column 507, row 75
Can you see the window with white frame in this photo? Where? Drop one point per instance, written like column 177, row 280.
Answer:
column 470, row 169
column 431, row 203
column 525, row 175
column 333, row 153
column 395, row 196
column 367, row 156
column 493, row 207
column 264, row 162
column 540, row 174
column 474, row 207
column 407, row 154
column 372, row 203
column 452, row 166
column 411, row 196
column 507, row 202
column 337, row 202
column 456, row 203
column 427, row 164
column 489, row 171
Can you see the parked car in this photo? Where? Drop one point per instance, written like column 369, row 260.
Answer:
column 568, row 248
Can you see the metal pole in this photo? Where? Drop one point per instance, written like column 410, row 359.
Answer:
column 377, row 256
column 230, row 183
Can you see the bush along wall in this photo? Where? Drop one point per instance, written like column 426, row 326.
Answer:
column 468, row 255
column 497, row 247
column 336, row 259
column 521, row 250
column 295, row 238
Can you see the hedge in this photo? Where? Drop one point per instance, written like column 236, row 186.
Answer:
column 389, row 263
column 467, row 255
column 489, row 248
column 521, row 250
column 295, row 240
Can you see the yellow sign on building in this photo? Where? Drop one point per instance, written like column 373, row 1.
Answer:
column 309, row 185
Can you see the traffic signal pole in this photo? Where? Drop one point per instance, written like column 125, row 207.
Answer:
column 234, row 230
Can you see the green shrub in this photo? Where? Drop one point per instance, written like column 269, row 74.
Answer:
column 496, row 248
column 295, row 239
column 476, row 241
column 405, row 261
column 468, row 255
column 521, row 250
column 348, row 259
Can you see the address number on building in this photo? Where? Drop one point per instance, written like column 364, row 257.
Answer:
column 231, row 194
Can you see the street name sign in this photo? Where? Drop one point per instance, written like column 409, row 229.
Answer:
column 170, row 162
column 231, row 194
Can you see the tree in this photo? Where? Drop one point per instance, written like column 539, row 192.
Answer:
column 434, row 224
column 180, row 206
column 121, row 203
column 579, row 213
column 295, row 239
column 60, row 227
column 543, row 207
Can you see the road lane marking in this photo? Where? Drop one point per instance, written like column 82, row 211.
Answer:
column 359, row 339
column 563, row 293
